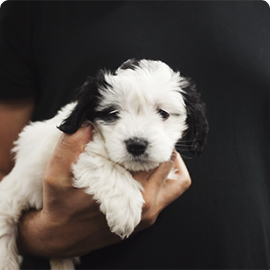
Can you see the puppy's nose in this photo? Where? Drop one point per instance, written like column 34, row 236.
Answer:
column 136, row 146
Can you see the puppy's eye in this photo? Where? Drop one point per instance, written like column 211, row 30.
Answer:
column 164, row 114
column 114, row 113
column 108, row 115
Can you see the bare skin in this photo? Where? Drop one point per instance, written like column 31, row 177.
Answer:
column 50, row 231
column 14, row 115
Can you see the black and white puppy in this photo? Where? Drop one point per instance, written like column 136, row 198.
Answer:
column 139, row 112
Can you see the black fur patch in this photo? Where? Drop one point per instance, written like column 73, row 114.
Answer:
column 88, row 99
column 130, row 64
column 108, row 115
column 198, row 128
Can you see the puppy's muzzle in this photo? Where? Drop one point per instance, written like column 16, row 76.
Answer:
column 136, row 146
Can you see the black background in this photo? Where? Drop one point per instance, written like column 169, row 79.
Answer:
column 223, row 221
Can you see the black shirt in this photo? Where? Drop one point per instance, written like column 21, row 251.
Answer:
column 223, row 221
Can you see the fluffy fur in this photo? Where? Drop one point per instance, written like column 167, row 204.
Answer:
column 139, row 112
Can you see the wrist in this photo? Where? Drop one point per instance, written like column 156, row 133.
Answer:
column 33, row 234
column 40, row 235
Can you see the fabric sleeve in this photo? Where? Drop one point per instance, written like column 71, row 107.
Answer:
column 17, row 69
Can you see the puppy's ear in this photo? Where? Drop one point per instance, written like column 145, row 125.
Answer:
column 197, row 123
column 87, row 101
column 130, row 64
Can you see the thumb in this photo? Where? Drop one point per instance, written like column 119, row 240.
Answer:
column 160, row 175
column 66, row 152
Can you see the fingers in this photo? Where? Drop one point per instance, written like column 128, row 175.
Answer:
column 142, row 176
column 181, row 169
column 156, row 181
column 159, row 191
column 66, row 152
column 173, row 188
column 160, row 175
column 182, row 180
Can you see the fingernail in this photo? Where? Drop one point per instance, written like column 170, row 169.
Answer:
column 86, row 123
column 87, row 127
column 173, row 156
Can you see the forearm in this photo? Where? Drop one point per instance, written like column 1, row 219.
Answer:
column 15, row 114
column 31, row 238
column 2, row 175
column 38, row 237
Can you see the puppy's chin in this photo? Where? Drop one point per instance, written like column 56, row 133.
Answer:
column 140, row 165
column 143, row 162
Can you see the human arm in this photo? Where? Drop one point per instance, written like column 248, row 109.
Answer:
column 14, row 115
column 70, row 220
column 70, row 223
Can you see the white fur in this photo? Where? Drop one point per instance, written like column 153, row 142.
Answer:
column 103, row 169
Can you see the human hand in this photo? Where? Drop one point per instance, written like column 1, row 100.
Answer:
column 159, row 191
column 70, row 223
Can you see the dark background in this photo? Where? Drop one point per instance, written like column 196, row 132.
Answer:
column 223, row 221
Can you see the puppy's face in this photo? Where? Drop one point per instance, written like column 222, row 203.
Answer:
column 141, row 110
column 141, row 115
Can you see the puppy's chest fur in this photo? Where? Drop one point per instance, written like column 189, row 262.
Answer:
column 114, row 188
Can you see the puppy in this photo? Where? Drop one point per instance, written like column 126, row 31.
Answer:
column 139, row 112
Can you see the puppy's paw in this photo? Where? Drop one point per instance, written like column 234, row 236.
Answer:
column 64, row 264
column 9, row 265
column 123, row 219
column 124, row 222
column 9, row 259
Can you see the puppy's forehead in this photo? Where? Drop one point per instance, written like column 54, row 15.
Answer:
column 143, row 87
